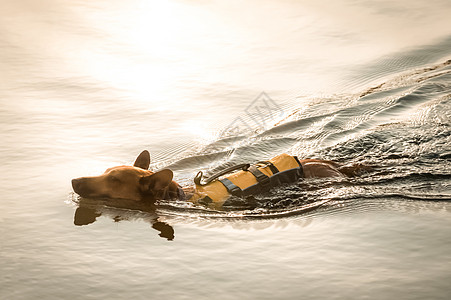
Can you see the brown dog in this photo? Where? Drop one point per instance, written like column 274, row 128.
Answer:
column 138, row 183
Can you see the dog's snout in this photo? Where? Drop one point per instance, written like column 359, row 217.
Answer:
column 80, row 186
column 75, row 184
column 84, row 186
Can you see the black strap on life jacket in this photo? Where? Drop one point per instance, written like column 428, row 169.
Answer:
column 231, row 187
column 262, row 179
column 301, row 169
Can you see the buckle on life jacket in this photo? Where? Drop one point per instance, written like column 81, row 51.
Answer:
column 267, row 163
column 231, row 187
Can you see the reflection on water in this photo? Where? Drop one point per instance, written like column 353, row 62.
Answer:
column 88, row 211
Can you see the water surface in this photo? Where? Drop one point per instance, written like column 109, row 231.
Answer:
column 88, row 85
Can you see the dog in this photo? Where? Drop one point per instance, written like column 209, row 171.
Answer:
column 137, row 183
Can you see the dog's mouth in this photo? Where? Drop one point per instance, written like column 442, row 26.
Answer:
column 81, row 187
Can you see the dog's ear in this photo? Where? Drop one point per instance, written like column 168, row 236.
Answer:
column 143, row 160
column 157, row 181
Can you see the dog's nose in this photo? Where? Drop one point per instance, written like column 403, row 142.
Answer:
column 75, row 184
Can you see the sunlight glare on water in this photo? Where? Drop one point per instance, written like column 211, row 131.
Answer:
column 164, row 53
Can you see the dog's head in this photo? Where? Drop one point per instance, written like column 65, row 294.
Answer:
column 126, row 182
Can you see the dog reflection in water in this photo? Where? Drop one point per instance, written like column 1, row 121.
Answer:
column 89, row 210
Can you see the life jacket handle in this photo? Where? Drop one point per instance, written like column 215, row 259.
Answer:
column 198, row 177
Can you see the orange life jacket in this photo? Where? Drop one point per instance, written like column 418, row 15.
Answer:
column 249, row 180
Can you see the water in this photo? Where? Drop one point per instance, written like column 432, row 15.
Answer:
column 88, row 85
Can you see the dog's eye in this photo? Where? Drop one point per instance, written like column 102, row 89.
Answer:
column 113, row 179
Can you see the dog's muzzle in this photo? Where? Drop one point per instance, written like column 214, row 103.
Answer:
column 81, row 187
